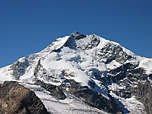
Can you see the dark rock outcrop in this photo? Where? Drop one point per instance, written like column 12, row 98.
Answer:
column 136, row 83
column 112, row 52
column 144, row 95
column 129, row 76
column 54, row 90
column 77, row 35
column 19, row 68
column 75, row 41
column 16, row 99
column 91, row 97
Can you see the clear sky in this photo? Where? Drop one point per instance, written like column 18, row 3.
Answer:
column 28, row 26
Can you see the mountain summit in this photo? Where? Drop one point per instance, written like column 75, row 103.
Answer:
column 86, row 74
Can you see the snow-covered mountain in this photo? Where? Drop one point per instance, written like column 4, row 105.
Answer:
column 86, row 74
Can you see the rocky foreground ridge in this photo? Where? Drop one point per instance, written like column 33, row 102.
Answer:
column 16, row 99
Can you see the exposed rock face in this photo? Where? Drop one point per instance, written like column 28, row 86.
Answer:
column 16, row 99
column 76, row 41
column 129, row 76
column 91, row 97
column 54, row 90
column 77, row 35
column 136, row 84
column 112, row 52
column 144, row 94
column 19, row 68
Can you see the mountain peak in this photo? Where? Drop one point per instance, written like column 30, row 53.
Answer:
column 77, row 35
column 80, row 64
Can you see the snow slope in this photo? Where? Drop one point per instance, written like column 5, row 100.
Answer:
column 71, row 105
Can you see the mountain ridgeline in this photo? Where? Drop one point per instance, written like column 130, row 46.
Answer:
column 86, row 74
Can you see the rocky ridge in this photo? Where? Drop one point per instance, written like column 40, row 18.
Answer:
column 16, row 99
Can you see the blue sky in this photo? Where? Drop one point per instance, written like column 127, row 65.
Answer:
column 28, row 26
